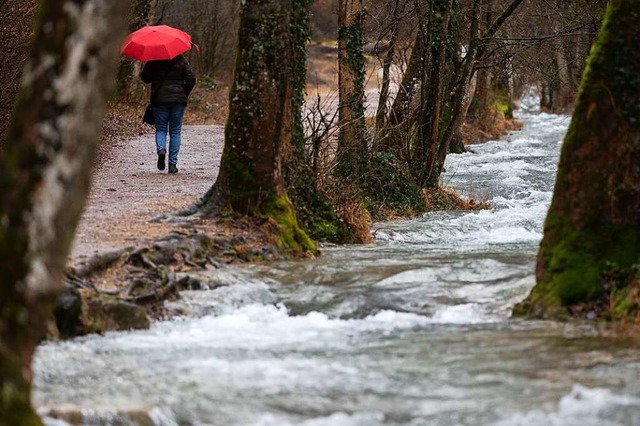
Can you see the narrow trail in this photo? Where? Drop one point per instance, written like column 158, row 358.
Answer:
column 128, row 190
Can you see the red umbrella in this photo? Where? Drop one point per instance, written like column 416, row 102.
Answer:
column 155, row 42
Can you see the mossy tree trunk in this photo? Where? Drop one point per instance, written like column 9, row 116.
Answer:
column 422, row 140
column 432, row 99
column 352, row 153
column 261, row 123
column 316, row 214
column 444, row 116
column 480, row 109
column 593, row 224
column 297, row 174
column 45, row 171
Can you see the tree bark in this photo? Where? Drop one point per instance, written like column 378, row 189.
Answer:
column 381, row 112
column 426, row 148
column 457, row 104
column 260, row 124
column 314, row 211
column 45, row 171
column 457, row 144
column 451, row 116
column 395, row 137
column 127, row 77
column 352, row 144
column 16, row 27
column 562, row 83
column 593, row 224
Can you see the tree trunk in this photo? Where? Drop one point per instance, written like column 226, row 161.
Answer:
column 315, row 213
column 564, row 83
column 140, row 12
column 381, row 112
column 352, row 144
column 481, row 111
column 458, row 104
column 261, row 123
column 427, row 146
column 457, row 144
column 395, row 138
column 593, row 224
column 451, row 115
column 45, row 171
column 295, row 155
column 16, row 25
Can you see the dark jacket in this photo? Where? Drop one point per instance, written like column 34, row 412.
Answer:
column 171, row 80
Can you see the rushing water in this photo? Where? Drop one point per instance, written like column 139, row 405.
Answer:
column 411, row 330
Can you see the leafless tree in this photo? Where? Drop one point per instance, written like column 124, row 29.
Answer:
column 213, row 24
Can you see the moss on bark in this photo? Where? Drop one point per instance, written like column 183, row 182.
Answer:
column 291, row 236
column 261, row 125
column 594, row 218
column 352, row 155
column 314, row 211
column 15, row 404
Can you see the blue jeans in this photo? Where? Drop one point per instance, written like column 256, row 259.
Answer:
column 169, row 120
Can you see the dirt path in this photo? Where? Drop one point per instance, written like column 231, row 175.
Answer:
column 128, row 190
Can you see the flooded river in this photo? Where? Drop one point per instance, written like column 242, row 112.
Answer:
column 414, row 329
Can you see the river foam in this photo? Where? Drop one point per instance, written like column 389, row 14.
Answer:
column 412, row 330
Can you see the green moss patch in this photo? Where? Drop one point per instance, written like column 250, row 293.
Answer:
column 291, row 236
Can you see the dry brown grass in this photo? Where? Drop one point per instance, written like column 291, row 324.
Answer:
column 448, row 199
column 358, row 219
column 498, row 126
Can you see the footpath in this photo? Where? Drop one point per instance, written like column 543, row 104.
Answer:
column 128, row 190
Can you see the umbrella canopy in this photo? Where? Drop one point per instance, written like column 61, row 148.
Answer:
column 156, row 42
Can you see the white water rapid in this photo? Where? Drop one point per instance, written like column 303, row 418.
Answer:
column 412, row 330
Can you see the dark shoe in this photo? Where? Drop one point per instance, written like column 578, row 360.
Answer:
column 173, row 168
column 161, row 156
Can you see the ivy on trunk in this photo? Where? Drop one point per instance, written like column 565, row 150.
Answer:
column 261, row 123
column 352, row 153
column 593, row 224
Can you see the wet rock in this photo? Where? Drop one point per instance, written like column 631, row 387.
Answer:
column 215, row 263
column 189, row 282
column 68, row 311
column 80, row 312
column 100, row 315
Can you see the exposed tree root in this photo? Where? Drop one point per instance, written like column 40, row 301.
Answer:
column 137, row 282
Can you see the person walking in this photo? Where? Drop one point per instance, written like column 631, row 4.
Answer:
column 171, row 82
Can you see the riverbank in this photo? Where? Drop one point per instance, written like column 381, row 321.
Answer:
column 131, row 253
column 377, row 334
